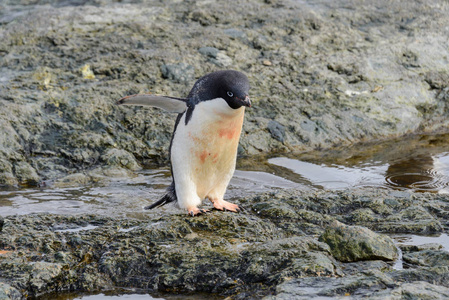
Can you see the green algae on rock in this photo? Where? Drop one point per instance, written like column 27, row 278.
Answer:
column 355, row 243
column 247, row 255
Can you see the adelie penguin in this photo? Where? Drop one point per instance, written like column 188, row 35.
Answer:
column 203, row 148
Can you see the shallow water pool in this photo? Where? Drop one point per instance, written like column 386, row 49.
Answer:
column 418, row 164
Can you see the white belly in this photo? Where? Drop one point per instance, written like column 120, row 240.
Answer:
column 204, row 152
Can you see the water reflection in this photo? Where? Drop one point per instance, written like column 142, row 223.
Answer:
column 126, row 196
column 418, row 240
column 421, row 173
column 420, row 164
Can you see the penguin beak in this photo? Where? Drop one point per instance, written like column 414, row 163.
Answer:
column 247, row 102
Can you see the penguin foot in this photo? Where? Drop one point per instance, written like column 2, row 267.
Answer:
column 195, row 211
column 225, row 205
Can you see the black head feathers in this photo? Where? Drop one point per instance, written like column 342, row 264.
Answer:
column 232, row 86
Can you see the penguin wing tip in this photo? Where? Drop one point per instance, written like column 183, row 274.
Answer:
column 123, row 100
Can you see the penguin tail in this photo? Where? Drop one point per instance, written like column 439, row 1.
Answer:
column 167, row 198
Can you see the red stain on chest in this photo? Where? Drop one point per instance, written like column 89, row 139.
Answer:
column 230, row 129
column 228, row 133
column 219, row 138
column 203, row 155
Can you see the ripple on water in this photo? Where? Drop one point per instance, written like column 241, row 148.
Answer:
column 420, row 164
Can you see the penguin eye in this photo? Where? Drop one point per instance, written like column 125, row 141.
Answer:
column 230, row 94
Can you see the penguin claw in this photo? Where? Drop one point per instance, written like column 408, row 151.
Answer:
column 196, row 211
column 226, row 206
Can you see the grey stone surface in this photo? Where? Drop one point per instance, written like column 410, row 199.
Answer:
column 271, row 249
column 329, row 73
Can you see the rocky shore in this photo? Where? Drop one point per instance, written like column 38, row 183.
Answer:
column 286, row 245
column 323, row 74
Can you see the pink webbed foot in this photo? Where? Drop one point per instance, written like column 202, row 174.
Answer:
column 195, row 211
column 225, row 205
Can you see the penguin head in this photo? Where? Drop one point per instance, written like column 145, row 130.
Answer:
column 232, row 86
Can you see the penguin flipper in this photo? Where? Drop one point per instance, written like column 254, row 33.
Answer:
column 170, row 104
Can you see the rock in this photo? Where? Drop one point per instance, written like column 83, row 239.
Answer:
column 266, row 62
column 216, row 56
column 25, row 173
column 181, row 72
column 355, row 243
column 427, row 258
column 276, row 130
column 414, row 248
column 121, row 158
column 77, row 179
column 43, row 275
column 222, row 60
column 235, row 33
column 272, row 248
column 60, row 117
column 320, row 287
column 373, row 287
column 414, row 290
column 209, row 51
column 7, row 292
column 8, row 179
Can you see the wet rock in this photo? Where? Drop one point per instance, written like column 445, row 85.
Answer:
column 394, row 213
column 373, row 286
column 414, row 248
column 271, row 249
column 355, row 243
column 414, row 290
column 310, row 288
column 427, row 258
column 8, row 179
column 121, row 158
column 25, row 173
column 43, row 276
column 77, row 179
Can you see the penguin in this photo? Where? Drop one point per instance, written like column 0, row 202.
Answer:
column 203, row 147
